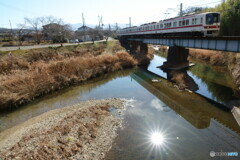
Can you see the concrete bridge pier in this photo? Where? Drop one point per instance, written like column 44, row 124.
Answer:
column 177, row 58
column 135, row 47
column 139, row 50
column 143, row 48
column 132, row 46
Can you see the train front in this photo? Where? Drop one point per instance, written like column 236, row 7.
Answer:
column 212, row 25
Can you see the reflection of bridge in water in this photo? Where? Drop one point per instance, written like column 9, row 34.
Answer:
column 192, row 107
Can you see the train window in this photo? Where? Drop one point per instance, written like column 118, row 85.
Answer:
column 183, row 22
column 201, row 21
column 194, row 21
column 174, row 24
column 161, row 25
column 180, row 23
column 170, row 24
column 187, row 22
column 212, row 18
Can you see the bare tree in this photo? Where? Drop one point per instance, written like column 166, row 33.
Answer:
column 107, row 33
column 58, row 32
column 49, row 26
column 20, row 33
column 94, row 34
column 36, row 26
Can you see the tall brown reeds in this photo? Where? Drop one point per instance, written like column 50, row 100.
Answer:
column 217, row 58
column 27, row 79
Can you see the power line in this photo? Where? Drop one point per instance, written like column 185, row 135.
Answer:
column 203, row 4
column 199, row 1
column 17, row 9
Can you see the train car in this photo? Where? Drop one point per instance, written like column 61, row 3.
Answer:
column 203, row 24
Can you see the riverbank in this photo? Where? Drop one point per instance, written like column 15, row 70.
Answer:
column 28, row 74
column 83, row 131
column 216, row 59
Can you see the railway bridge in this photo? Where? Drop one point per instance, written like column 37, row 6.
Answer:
column 178, row 52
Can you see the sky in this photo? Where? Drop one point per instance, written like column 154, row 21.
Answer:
column 112, row 11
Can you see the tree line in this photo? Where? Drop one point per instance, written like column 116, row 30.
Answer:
column 230, row 17
column 55, row 30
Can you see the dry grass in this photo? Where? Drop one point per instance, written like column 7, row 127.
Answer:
column 59, row 53
column 23, row 79
column 9, row 63
column 212, row 57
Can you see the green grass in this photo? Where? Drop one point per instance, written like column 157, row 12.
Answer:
column 3, row 52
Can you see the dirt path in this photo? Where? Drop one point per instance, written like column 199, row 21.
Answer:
column 83, row 131
column 42, row 46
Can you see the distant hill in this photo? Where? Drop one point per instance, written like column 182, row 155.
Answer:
column 78, row 25
column 4, row 30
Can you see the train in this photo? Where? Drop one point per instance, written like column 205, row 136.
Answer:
column 201, row 24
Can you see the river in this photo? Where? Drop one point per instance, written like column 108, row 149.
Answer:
column 160, row 122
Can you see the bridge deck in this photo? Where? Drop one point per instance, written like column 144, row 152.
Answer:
column 229, row 44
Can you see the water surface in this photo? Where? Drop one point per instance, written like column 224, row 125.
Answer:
column 187, row 125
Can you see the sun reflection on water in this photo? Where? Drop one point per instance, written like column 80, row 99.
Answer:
column 157, row 138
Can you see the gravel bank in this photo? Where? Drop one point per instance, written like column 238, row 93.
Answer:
column 83, row 131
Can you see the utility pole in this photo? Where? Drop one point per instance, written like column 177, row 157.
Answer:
column 102, row 22
column 99, row 22
column 116, row 26
column 130, row 25
column 83, row 20
column 84, row 27
column 181, row 9
column 11, row 31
